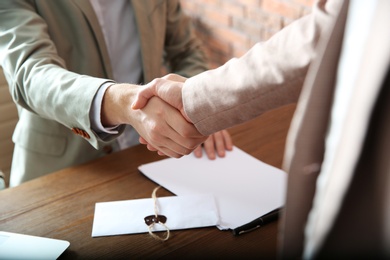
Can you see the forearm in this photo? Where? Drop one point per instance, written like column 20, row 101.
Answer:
column 38, row 78
column 270, row 75
column 116, row 105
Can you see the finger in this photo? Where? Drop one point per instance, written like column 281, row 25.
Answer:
column 152, row 89
column 209, row 147
column 151, row 148
column 175, row 145
column 166, row 151
column 181, row 136
column 148, row 146
column 160, row 152
column 183, row 128
column 219, row 144
column 186, row 143
column 228, row 140
column 223, row 142
column 175, row 77
column 142, row 140
column 198, row 151
column 148, row 91
column 166, row 130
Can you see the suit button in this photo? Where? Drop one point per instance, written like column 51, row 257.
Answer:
column 313, row 168
column 85, row 134
column 78, row 131
column 74, row 130
column 107, row 149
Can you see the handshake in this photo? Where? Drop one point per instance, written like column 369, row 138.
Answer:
column 157, row 112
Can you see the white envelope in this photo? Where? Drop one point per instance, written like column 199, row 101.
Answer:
column 127, row 217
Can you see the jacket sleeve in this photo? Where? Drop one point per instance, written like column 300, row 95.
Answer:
column 38, row 78
column 269, row 75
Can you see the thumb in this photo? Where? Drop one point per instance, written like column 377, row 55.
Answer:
column 183, row 113
column 143, row 96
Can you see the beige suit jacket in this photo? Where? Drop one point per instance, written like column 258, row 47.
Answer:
column 302, row 60
column 54, row 58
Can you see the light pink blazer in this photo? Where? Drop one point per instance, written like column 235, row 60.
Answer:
column 301, row 61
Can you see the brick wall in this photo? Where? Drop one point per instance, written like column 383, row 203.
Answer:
column 228, row 28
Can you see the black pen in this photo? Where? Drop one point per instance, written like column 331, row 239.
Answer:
column 261, row 221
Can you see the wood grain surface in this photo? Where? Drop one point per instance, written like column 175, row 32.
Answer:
column 61, row 205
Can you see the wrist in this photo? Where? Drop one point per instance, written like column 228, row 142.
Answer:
column 116, row 103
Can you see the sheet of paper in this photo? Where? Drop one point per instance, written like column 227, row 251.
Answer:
column 127, row 217
column 244, row 187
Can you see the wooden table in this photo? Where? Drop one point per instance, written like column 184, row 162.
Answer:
column 61, row 205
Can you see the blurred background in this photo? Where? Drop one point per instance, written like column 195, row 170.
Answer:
column 228, row 28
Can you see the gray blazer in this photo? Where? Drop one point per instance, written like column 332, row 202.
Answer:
column 302, row 61
column 54, row 58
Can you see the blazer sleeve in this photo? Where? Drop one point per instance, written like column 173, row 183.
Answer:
column 269, row 75
column 37, row 76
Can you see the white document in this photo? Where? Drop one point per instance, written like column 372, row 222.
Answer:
column 244, row 187
column 20, row 246
column 127, row 217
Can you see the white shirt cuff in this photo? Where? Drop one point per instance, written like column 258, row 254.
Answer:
column 95, row 113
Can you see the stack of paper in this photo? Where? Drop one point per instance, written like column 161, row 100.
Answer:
column 244, row 187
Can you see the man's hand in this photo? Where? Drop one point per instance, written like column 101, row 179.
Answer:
column 216, row 144
column 161, row 125
column 167, row 88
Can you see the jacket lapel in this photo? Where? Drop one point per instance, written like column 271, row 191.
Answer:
column 373, row 70
column 306, row 140
column 143, row 11
column 90, row 15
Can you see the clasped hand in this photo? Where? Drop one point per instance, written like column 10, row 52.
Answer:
column 161, row 121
